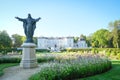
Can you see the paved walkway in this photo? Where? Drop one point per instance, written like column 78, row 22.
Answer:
column 18, row 73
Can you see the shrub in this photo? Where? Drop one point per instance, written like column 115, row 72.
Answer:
column 42, row 50
column 17, row 59
column 45, row 59
column 110, row 52
column 9, row 50
column 118, row 56
column 10, row 60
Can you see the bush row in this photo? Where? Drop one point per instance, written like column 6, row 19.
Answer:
column 10, row 60
column 5, row 51
column 42, row 50
column 17, row 60
column 110, row 52
column 94, row 50
column 9, row 50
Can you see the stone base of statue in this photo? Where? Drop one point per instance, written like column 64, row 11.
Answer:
column 28, row 56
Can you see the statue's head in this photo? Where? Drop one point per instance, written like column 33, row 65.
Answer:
column 29, row 15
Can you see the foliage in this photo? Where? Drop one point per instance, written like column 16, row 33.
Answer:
column 115, row 30
column 17, row 59
column 69, row 67
column 5, row 51
column 89, row 40
column 5, row 40
column 78, row 50
column 112, row 53
column 116, row 38
column 35, row 40
column 76, row 39
column 18, row 40
column 19, row 50
column 83, row 36
column 113, row 74
column 45, row 59
column 42, row 50
column 101, row 38
column 9, row 50
column 104, row 38
column 10, row 60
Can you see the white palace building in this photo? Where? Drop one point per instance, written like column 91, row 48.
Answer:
column 60, row 43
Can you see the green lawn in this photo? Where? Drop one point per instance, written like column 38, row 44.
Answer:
column 113, row 74
column 5, row 65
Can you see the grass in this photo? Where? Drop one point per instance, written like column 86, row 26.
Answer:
column 113, row 74
column 5, row 65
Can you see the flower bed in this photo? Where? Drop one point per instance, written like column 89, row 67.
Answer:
column 73, row 66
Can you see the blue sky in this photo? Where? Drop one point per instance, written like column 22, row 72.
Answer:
column 59, row 17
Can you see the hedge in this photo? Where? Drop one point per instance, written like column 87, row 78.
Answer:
column 19, row 50
column 94, row 50
column 10, row 60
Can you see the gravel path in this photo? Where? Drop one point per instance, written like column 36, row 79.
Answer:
column 18, row 73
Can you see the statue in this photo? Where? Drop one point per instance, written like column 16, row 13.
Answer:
column 29, row 25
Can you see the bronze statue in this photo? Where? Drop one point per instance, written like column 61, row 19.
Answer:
column 29, row 25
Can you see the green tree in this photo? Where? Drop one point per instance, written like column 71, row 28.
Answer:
column 76, row 39
column 5, row 40
column 35, row 40
column 101, row 38
column 115, row 30
column 89, row 40
column 83, row 36
column 18, row 40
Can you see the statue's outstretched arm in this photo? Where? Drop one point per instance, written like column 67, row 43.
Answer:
column 20, row 19
column 37, row 19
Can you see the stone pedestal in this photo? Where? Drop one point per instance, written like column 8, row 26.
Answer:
column 28, row 56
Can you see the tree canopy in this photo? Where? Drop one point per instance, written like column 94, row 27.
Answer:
column 115, row 30
column 18, row 40
column 5, row 40
column 100, row 38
